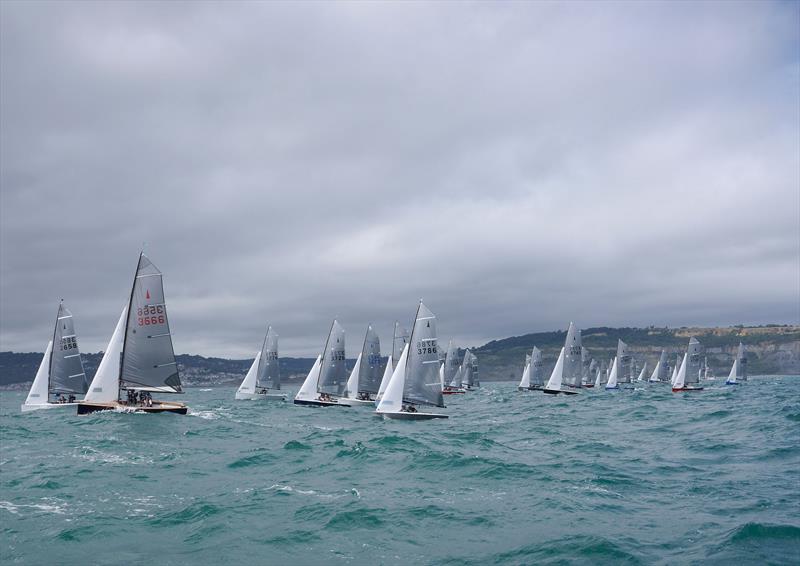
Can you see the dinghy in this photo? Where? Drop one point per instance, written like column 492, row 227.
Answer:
column 554, row 384
column 587, row 368
column 624, row 363
column 537, row 370
column 675, row 369
column 139, row 359
column 601, row 378
column 613, row 376
column 660, row 371
column 451, row 373
column 573, row 358
column 399, row 341
column 415, row 381
column 706, row 372
column 689, row 373
column 739, row 367
column 525, row 382
column 325, row 383
column 61, row 372
column 468, row 368
column 365, row 378
column 264, row 374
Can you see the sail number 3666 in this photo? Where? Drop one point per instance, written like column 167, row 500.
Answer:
column 150, row 314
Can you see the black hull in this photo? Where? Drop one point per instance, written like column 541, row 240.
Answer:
column 88, row 408
column 318, row 403
column 557, row 391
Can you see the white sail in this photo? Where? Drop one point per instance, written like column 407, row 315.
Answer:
column 624, row 360
column 598, row 379
column 537, row 368
column 573, row 351
column 680, row 378
column 732, row 375
column 351, row 389
column 105, row 385
column 613, row 377
column 741, row 365
column 554, row 383
column 641, row 373
column 248, row 386
column 441, row 375
column 675, row 369
column 392, row 400
column 39, row 393
column 525, row 382
column 457, row 378
column 656, row 370
column 308, row 391
column 387, row 375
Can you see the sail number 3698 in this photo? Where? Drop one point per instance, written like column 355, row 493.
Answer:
column 150, row 314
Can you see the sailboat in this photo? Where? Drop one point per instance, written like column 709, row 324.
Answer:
column 525, row 382
column 675, row 369
column 468, row 368
column 601, row 377
column 660, row 371
column 567, row 372
column 325, row 383
column 264, row 373
column 61, row 370
column 415, row 381
column 641, row 373
column 537, row 370
column 689, row 374
column 706, row 372
column 474, row 379
column 365, row 377
column 739, row 367
column 624, row 363
column 399, row 341
column 139, row 358
column 588, row 366
column 613, row 376
column 451, row 373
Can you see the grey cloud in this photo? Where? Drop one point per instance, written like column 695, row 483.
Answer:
column 518, row 165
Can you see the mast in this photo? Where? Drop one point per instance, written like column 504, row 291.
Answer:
column 127, row 320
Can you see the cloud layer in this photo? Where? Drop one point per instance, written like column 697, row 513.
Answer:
column 517, row 165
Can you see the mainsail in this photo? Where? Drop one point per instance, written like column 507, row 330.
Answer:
column 422, row 366
column 741, row 363
column 573, row 365
column 269, row 376
column 333, row 374
column 623, row 363
column 467, row 370
column 525, row 382
column 694, row 355
column 66, row 368
column 537, row 368
column 369, row 371
column 451, row 363
column 660, row 371
column 148, row 360
column 586, row 366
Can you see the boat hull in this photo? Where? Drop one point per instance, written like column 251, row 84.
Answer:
column 406, row 416
column 85, row 408
column 731, row 383
column 452, row 391
column 557, row 391
column 28, row 408
column 315, row 403
column 260, row 397
column 353, row 402
column 687, row 389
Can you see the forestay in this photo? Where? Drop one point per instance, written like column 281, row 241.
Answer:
column 148, row 359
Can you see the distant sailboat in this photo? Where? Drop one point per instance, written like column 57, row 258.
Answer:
column 139, row 358
column 587, row 368
column 601, row 377
column 61, row 370
column 264, row 373
column 613, row 376
column 706, row 372
column 675, row 369
column 468, row 366
column 624, row 363
column 689, row 373
column 739, row 368
column 415, row 381
column 325, row 383
column 365, row 378
column 567, row 371
column 537, row 370
column 451, row 374
column 399, row 341
column 525, row 382
column 660, row 371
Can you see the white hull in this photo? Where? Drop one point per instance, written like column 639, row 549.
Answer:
column 35, row 407
column 260, row 396
column 354, row 402
column 406, row 416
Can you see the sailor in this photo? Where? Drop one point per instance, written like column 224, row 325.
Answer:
column 61, row 398
column 71, row 398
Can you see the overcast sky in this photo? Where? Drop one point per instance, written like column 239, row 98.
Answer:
column 517, row 165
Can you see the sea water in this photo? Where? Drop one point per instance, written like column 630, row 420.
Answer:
column 632, row 476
